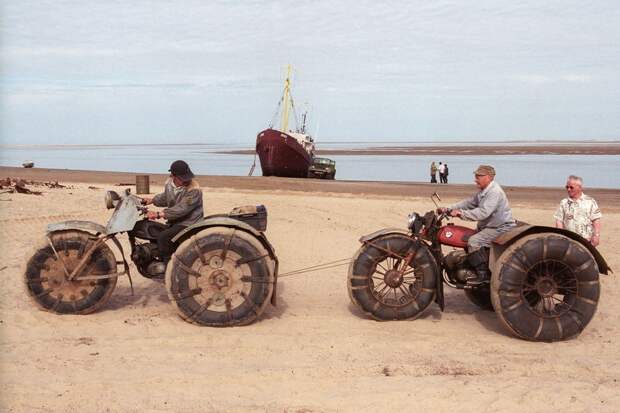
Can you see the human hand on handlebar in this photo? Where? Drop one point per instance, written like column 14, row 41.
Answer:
column 456, row 213
column 147, row 201
column 153, row 214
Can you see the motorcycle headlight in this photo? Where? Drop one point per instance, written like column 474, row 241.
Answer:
column 110, row 199
column 411, row 220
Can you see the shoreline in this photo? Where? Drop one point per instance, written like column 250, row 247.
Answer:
column 607, row 198
column 465, row 150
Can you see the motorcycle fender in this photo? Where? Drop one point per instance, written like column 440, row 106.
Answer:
column 382, row 232
column 93, row 228
column 502, row 242
column 224, row 221
column 90, row 227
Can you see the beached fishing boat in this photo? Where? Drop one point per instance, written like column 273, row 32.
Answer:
column 284, row 152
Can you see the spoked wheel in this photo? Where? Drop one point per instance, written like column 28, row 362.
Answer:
column 480, row 296
column 385, row 286
column 547, row 287
column 47, row 281
column 220, row 277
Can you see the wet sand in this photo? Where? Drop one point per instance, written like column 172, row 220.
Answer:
column 608, row 197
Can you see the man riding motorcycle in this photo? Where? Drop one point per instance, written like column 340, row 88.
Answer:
column 182, row 200
column 490, row 208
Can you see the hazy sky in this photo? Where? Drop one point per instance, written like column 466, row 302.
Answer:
column 208, row 71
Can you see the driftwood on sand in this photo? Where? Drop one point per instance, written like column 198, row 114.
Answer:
column 13, row 185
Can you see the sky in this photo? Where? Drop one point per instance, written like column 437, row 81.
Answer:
column 109, row 72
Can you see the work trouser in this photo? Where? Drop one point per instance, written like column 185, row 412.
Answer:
column 164, row 241
column 485, row 237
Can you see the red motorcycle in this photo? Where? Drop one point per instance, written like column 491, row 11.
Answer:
column 544, row 281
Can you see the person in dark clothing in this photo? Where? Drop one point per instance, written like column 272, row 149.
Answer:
column 182, row 203
column 445, row 173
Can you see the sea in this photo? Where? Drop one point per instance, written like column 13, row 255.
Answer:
column 599, row 171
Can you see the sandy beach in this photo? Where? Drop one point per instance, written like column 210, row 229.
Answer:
column 314, row 352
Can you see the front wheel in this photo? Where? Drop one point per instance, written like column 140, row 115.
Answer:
column 220, row 277
column 546, row 287
column 47, row 274
column 393, row 277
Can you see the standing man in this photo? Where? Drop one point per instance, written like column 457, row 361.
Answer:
column 490, row 208
column 442, row 171
column 445, row 173
column 433, row 173
column 182, row 203
column 579, row 212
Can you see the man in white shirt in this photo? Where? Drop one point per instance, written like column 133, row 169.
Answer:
column 579, row 212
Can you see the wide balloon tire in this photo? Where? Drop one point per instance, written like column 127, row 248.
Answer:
column 545, row 287
column 47, row 283
column 220, row 277
column 481, row 297
column 374, row 283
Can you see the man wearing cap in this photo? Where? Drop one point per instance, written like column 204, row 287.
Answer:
column 182, row 203
column 490, row 208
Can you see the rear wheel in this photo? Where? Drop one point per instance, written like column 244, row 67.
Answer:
column 384, row 286
column 220, row 277
column 48, row 284
column 546, row 287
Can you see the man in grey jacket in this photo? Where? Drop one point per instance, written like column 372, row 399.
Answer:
column 182, row 203
column 490, row 208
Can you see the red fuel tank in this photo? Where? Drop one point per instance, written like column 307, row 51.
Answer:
column 455, row 235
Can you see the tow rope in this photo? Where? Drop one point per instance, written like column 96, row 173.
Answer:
column 318, row 267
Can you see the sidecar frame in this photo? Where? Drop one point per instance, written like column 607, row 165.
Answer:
column 501, row 243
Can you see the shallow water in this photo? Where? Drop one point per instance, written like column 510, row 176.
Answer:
column 601, row 171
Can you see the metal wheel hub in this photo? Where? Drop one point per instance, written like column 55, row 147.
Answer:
column 57, row 280
column 393, row 278
column 219, row 279
column 546, row 287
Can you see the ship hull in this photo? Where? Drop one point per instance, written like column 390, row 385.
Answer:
column 281, row 155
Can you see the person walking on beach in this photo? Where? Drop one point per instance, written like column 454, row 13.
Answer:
column 490, row 208
column 182, row 200
column 433, row 173
column 445, row 173
column 442, row 169
column 579, row 212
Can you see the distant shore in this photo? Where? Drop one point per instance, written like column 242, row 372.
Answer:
column 608, row 197
column 543, row 149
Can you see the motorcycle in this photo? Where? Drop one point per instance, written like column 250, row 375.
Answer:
column 544, row 281
column 223, row 271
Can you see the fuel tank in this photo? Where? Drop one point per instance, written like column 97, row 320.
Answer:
column 455, row 235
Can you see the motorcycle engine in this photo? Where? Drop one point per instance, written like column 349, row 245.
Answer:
column 457, row 267
column 143, row 255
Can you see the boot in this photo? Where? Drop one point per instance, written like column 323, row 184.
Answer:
column 479, row 260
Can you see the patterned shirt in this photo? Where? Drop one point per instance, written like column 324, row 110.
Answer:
column 577, row 215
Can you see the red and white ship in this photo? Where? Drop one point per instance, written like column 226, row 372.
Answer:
column 283, row 152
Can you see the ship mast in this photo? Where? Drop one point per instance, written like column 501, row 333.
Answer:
column 285, row 99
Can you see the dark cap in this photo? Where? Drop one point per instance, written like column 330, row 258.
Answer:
column 181, row 170
column 485, row 170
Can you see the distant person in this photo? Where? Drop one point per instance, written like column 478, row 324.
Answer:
column 433, row 173
column 442, row 170
column 490, row 208
column 579, row 212
column 182, row 200
column 445, row 173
